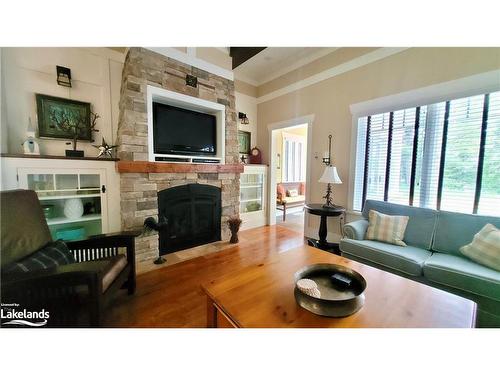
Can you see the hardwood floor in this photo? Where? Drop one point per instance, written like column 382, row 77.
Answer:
column 294, row 221
column 172, row 296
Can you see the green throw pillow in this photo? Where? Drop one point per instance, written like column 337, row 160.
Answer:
column 485, row 247
column 386, row 228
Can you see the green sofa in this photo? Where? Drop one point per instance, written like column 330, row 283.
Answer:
column 432, row 255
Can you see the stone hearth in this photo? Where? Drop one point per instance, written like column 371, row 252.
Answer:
column 139, row 190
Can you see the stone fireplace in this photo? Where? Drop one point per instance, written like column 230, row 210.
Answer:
column 142, row 180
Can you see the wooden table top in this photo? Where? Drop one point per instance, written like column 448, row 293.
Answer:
column 261, row 296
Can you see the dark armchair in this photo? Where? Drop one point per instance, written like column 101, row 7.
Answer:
column 74, row 294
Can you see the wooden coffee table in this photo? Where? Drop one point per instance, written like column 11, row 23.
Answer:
column 262, row 296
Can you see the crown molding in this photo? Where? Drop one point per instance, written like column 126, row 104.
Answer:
column 241, row 77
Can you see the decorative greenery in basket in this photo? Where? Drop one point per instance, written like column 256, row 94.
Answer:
column 234, row 223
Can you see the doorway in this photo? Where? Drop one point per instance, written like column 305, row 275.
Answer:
column 289, row 172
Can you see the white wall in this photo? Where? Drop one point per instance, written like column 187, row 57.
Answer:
column 96, row 78
column 247, row 104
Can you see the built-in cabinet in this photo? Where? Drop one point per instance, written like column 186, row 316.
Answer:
column 253, row 192
column 79, row 198
column 74, row 201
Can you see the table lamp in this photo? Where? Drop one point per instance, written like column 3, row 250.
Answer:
column 330, row 176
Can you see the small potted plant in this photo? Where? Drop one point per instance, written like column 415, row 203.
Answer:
column 234, row 224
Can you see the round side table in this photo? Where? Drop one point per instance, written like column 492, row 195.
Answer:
column 325, row 212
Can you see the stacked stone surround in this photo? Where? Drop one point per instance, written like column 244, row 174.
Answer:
column 139, row 190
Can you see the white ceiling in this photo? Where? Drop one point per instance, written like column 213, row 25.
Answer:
column 276, row 61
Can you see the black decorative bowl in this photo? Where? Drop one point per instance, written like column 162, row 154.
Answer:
column 335, row 301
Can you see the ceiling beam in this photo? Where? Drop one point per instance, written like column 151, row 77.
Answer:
column 242, row 54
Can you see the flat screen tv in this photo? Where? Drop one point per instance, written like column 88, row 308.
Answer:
column 182, row 131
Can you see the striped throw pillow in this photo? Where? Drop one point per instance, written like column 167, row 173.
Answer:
column 386, row 228
column 485, row 247
column 52, row 255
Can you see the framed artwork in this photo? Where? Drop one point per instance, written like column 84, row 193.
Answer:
column 61, row 118
column 244, row 141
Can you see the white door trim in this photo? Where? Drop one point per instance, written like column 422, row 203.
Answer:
column 309, row 120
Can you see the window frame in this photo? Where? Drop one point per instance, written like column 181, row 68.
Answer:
column 478, row 84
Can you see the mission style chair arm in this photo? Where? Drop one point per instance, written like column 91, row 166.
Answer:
column 104, row 245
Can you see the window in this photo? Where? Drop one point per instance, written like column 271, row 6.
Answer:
column 294, row 158
column 444, row 156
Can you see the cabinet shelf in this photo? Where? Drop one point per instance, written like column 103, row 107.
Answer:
column 65, row 220
column 250, row 186
column 251, row 200
column 52, row 197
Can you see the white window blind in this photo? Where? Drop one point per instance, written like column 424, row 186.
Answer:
column 294, row 158
column 444, row 155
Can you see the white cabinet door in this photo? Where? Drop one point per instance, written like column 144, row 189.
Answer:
column 253, row 197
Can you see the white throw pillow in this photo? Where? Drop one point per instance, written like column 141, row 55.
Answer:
column 485, row 247
column 386, row 228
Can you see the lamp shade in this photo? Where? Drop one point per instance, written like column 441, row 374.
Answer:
column 330, row 176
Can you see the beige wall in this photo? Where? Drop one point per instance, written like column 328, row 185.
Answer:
column 214, row 56
column 329, row 100
column 247, row 104
column 96, row 78
column 245, row 88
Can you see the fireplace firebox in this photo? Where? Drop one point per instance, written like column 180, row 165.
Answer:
column 192, row 214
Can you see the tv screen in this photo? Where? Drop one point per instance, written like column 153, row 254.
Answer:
column 182, row 131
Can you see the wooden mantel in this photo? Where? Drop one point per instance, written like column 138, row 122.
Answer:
column 159, row 167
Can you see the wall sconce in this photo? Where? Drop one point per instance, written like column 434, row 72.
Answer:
column 63, row 76
column 191, row 80
column 243, row 117
column 330, row 175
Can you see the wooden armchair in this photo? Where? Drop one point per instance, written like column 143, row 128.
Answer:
column 74, row 294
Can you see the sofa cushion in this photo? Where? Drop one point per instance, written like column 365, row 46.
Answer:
column 421, row 223
column 302, row 188
column 297, row 199
column 117, row 264
column 280, row 191
column 454, row 230
column 52, row 255
column 386, row 228
column 485, row 247
column 463, row 274
column 407, row 259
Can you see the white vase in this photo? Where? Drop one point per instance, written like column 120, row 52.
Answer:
column 73, row 208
